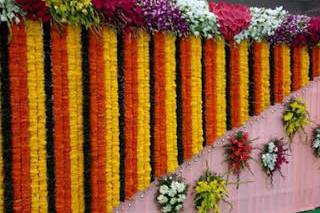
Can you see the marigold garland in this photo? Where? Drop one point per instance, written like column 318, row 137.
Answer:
column 170, row 103
column 131, row 112
column 19, row 120
column 37, row 129
column 305, row 63
column 185, row 59
column 196, row 100
column 61, row 121
column 75, row 117
column 143, row 137
column 98, row 147
column 316, row 61
column 296, row 70
column 112, row 118
column 244, row 81
column 160, row 147
column 265, row 76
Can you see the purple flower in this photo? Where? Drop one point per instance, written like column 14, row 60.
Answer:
column 292, row 31
column 163, row 15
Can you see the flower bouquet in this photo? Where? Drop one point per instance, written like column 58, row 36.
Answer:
column 273, row 156
column 316, row 142
column 295, row 117
column 210, row 190
column 237, row 154
column 172, row 192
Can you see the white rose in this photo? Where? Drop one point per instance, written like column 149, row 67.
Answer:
column 164, row 189
column 162, row 199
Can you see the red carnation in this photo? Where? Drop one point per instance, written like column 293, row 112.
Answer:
column 35, row 9
column 232, row 18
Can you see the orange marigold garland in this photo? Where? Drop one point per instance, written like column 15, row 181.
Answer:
column 19, row 120
column 185, row 59
column 160, row 148
column 296, row 69
column 235, row 85
column 61, row 121
column 278, row 74
column 257, row 77
column 316, row 61
column 210, row 90
column 131, row 106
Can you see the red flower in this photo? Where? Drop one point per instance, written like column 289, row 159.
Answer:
column 232, row 18
column 121, row 12
column 35, row 9
column 314, row 29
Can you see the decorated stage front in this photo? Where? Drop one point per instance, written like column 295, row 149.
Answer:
column 298, row 189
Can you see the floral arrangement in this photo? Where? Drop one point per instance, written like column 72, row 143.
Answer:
column 316, row 142
column 273, row 156
column 163, row 15
column 264, row 23
column 200, row 20
column 293, row 29
column 121, row 13
column 314, row 30
column 238, row 153
column 295, row 117
column 172, row 192
column 78, row 12
column 232, row 18
column 35, row 9
column 210, row 189
column 9, row 11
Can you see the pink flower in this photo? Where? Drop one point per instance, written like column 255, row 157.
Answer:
column 314, row 30
column 232, row 18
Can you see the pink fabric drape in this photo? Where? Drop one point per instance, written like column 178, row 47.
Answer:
column 298, row 191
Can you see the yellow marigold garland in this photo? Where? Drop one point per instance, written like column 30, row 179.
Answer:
column 265, row 75
column 221, row 87
column 304, row 65
column 196, row 100
column 37, row 128
column 75, row 113
column 143, row 136
column 286, row 67
column 112, row 118
column 171, row 117
column 244, row 80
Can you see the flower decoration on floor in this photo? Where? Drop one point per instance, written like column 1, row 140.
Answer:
column 316, row 142
column 77, row 12
column 172, row 192
column 163, row 15
column 210, row 189
column 264, row 23
column 238, row 153
column 201, row 21
column 314, row 30
column 273, row 156
column 295, row 117
column 9, row 11
column 292, row 30
column 232, row 18
column 35, row 9
column 121, row 13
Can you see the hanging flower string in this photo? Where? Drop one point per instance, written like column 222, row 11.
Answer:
column 238, row 153
column 295, row 117
column 273, row 156
column 172, row 192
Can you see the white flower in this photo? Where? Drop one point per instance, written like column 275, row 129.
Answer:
column 162, row 199
column 9, row 11
column 164, row 189
column 173, row 201
column 269, row 161
column 316, row 143
column 178, row 207
column 201, row 21
column 271, row 147
column 180, row 187
column 181, row 198
column 172, row 192
column 264, row 23
column 166, row 208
